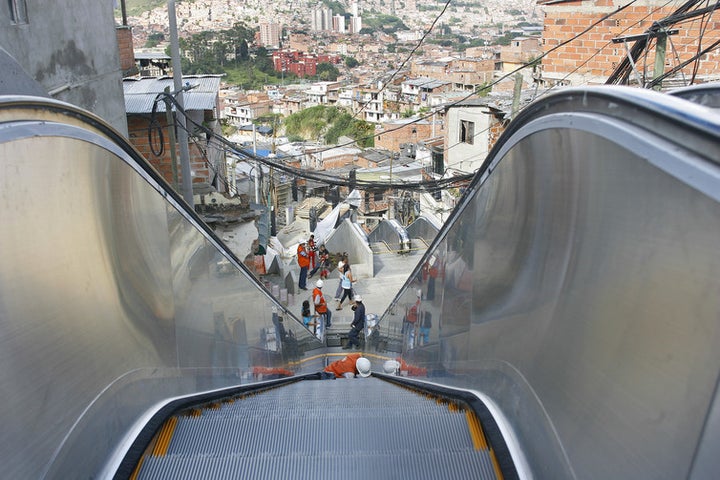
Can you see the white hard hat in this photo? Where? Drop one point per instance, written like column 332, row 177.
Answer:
column 319, row 284
column 391, row 366
column 363, row 366
column 358, row 298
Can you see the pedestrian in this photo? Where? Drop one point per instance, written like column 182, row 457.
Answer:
column 321, row 309
column 346, row 281
column 311, row 248
column 357, row 325
column 339, row 289
column 323, row 262
column 307, row 317
column 347, row 367
column 303, row 260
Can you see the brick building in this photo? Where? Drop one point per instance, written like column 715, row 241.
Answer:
column 592, row 56
column 149, row 132
column 402, row 131
column 300, row 63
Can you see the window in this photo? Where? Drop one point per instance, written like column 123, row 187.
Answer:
column 467, row 132
column 377, row 196
column 18, row 11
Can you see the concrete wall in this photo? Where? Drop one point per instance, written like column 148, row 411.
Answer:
column 70, row 48
column 346, row 238
column 462, row 155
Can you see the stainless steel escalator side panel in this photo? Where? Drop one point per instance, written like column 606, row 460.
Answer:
column 110, row 299
column 578, row 283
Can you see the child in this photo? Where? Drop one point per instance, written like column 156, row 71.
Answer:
column 306, row 316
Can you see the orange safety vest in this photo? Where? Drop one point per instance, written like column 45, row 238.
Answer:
column 322, row 306
column 346, row 365
column 302, row 257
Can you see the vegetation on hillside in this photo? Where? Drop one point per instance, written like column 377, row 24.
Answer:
column 329, row 123
column 380, row 22
column 136, row 7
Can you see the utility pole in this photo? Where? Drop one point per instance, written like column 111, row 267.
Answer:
column 257, row 167
column 660, row 48
column 171, row 135
column 517, row 91
column 187, row 191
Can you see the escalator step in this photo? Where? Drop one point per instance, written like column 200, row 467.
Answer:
column 325, row 429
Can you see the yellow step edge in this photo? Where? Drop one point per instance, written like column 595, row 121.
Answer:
column 136, row 472
column 496, row 465
column 164, row 437
column 476, row 432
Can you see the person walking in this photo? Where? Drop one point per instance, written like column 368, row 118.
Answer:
column 346, row 281
column 357, row 325
column 321, row 309
column 339, row 289
column 303, row 260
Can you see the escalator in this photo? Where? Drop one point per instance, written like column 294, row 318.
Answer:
column 325, row 430
column 573, row 298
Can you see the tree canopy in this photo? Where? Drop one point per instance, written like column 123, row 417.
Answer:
column 329, row 123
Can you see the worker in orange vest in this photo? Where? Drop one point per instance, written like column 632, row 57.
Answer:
column 303, row 259
column 321, row 305
column 349, row 366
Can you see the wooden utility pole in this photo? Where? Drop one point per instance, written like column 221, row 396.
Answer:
column 660, row 48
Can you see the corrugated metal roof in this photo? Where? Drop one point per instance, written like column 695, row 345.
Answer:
column 425, row 82
column 140, row 94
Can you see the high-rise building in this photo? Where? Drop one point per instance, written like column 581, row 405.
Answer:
column 338, row 24
column 327, row 19
column 316, row 20
column 355, row 24
column 270, row 35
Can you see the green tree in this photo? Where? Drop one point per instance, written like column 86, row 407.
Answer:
column 330, row 123
column 351, row 62
column 154, row 40
column 243, row 51
column 327, row 72
column 263, row 61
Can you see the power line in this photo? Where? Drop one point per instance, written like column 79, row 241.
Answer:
column 426, row 185
column 442, row 183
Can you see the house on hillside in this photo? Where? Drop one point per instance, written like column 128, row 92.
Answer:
column 148, row 126
column 472, row 128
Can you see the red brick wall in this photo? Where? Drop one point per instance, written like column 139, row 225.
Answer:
column 593, row 53
column 138, row 133
column 339, row 161
column 127, row 53
column 395, row 134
